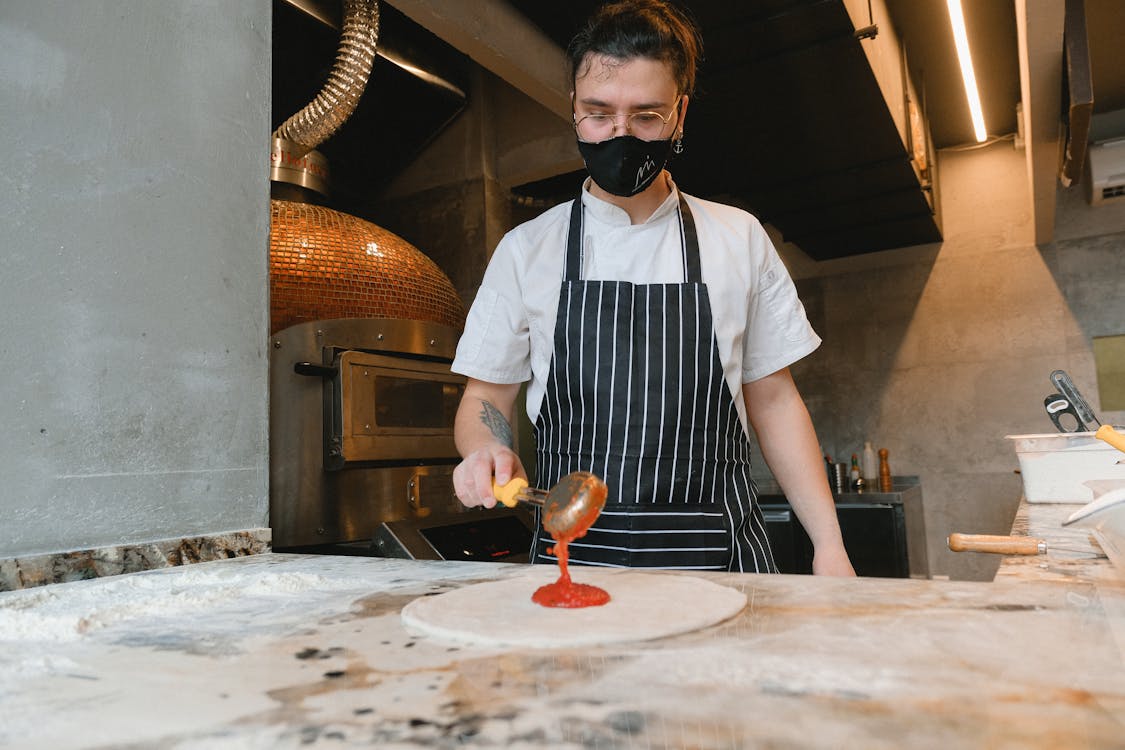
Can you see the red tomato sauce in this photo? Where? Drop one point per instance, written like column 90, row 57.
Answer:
column 564, row 592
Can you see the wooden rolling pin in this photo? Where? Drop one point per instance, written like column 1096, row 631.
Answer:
column 1111, row 436
column 1004, row 545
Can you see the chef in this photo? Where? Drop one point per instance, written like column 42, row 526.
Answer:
column 653, row 330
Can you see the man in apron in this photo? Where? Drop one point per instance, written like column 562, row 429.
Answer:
column 653, row 329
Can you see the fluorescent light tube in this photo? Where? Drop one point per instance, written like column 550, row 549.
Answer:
column 957, row 19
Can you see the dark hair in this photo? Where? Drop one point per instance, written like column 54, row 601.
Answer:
column 654, row 29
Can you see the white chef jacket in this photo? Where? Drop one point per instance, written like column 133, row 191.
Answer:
column 760, row 323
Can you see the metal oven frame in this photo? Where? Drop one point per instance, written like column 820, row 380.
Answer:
column 315, row 504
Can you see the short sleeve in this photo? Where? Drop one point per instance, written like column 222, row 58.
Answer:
column 778, row 332
column 495, row 345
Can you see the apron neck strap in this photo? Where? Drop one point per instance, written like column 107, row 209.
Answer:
column 574, row 241
column 689, row 242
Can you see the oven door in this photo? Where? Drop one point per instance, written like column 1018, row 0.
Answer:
column 386, row 409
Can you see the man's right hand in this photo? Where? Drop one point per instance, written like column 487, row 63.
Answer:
column 483, row 431
column 472, row 479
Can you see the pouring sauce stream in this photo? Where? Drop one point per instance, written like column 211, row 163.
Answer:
column 564, row 592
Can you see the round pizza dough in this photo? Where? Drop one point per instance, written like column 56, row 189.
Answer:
column 642, row 606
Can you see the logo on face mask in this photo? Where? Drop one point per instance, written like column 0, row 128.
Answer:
column 645, row 174
column 625, row 165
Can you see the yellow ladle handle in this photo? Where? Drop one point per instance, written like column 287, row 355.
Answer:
column 508, row 494
column 1111, row 436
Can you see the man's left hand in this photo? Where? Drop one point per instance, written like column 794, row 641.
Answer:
column 832, row 562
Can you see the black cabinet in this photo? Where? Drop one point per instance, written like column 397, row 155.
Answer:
column 792, row 550
column 874, row 536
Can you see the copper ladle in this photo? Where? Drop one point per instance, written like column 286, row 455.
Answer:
column 569, row 508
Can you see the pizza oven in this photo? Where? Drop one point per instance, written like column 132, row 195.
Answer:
column 362, row 399
column 364, row 327
column 361, row 427
column 361, row 445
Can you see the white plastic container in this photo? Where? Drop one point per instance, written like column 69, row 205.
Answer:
column 1055, row 466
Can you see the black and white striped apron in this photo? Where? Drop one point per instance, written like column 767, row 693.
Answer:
column 636, row 395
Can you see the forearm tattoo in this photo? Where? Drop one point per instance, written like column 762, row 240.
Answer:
column 495, row 422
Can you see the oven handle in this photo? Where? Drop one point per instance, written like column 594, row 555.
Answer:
column 315, row 371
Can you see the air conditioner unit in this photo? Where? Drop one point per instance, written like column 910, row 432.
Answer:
column 1105, row 172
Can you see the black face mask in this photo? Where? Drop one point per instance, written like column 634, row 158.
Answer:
column 625, row 165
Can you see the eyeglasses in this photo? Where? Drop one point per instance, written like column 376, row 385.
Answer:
column 647, row 126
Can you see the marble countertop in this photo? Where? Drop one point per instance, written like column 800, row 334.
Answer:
column 278, row 651
column 1072, row 553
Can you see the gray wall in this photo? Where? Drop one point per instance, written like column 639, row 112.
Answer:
column 133, row 295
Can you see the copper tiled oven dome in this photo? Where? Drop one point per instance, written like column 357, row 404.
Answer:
column 326, row 264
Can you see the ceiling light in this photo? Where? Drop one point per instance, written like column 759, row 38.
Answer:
column 957, row 19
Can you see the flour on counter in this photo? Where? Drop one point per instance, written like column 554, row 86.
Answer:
column 68, row 611
column 233, row 597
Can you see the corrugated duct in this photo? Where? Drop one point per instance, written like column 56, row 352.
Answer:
column 324, row 115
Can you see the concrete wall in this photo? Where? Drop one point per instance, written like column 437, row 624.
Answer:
column 440, row 204
column 134, row 285
column 937, row 352
column 453, row 202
